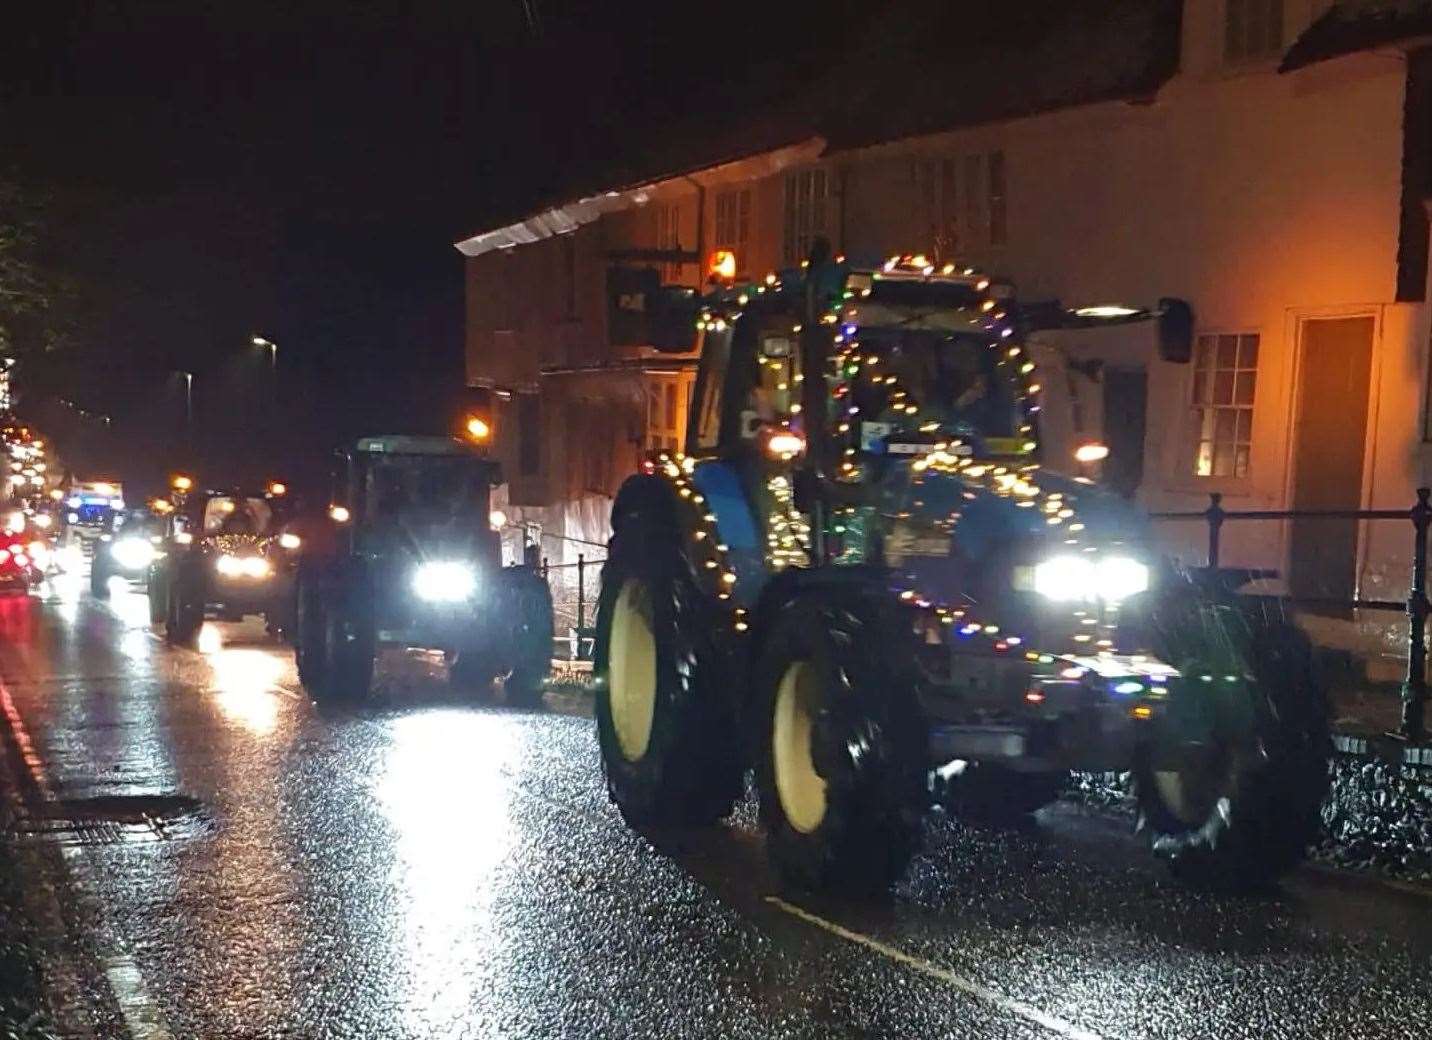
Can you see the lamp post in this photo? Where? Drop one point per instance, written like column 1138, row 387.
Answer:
column 188, row 400
column 271, row 347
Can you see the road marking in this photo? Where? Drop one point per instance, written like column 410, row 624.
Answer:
column 940, row 974
column 142, row 1018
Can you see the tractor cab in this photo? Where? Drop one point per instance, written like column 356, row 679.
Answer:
column 407, row 557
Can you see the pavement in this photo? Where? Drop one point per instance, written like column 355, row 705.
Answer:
column 208, row 854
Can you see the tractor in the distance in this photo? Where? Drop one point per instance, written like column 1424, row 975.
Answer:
column 864, row 580
column 406, row 557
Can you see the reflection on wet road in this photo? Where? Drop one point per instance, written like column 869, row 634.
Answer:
column 441, row 866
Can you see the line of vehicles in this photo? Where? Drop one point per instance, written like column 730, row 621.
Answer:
column 401, row 553
column 862, row 581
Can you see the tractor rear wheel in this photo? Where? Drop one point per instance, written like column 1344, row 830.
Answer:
column 666, row 716
column 843, row 754
column 310, row 643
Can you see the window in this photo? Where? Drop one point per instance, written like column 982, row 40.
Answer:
column 733, row 222
column 666, row 398
column 668, row 236
column 1252, row 29
column 963, row 203
column 807, row 212
column 1225, row 377
column 529, row 434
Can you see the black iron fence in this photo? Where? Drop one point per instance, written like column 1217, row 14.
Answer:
column 575, row 588
column 1415, row 606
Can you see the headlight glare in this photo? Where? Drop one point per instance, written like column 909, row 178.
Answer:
column 231, row 566
column 1066, row 579
column 444, row 581
column 133, row 554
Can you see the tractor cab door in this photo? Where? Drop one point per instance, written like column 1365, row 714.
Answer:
column 747, row 392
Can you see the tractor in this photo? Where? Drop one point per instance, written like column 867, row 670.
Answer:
column 407, row 557
column 224, row 557
column 865, row 581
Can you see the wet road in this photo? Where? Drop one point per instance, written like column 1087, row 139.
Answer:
column 427, row 867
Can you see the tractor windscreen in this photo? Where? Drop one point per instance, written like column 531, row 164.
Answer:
column 229, row 515
column 920, row 377
column 425, row 489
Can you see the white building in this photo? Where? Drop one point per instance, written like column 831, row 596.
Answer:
column 1266, row 160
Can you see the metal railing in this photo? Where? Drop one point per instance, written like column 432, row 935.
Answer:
column 1414, row 688
column 573, row 607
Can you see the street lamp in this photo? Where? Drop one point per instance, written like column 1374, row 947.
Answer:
column 188, row 399
column 270, row 346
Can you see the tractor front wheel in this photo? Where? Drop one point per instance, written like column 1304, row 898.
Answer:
column 843, row 752
column 1238, row 808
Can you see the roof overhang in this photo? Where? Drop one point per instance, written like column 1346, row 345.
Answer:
column 569, row 216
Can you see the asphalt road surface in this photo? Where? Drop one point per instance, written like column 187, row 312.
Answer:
column 211, row 855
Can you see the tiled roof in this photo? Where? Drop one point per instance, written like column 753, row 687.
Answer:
column 1355, row 25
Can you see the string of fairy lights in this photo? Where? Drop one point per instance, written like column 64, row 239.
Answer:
column 856, row 371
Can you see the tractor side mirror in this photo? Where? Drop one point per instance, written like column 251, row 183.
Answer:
column 671, row 319
column 641, row 312
column 1175, row 330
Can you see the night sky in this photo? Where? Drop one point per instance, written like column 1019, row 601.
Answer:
column 216, row 169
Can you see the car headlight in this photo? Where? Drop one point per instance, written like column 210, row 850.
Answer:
column 289, row 540
column 133, row 554
column 1072, row 578
column 441, row 581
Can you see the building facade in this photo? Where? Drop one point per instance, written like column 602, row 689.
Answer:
column 1275, row 179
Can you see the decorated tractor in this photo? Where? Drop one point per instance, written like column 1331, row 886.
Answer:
column 224, row 557
column 862, row 581
column 407, row 558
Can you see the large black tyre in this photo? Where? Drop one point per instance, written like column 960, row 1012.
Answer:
column 310, row 640
column 843, row 757
column 156, row 591
column 185, row 615
column 99, row 575
column 667, row 718
column 529, row 601
column 352, row 648
column 1241, row 810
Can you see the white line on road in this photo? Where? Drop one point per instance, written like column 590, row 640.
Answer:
column 141, row 1017
column 935, row 971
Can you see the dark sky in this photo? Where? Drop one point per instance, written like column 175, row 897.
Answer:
column 301, row 169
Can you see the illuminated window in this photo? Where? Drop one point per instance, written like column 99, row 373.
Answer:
column 733, row 222
column 807, row 212
column 1252, row 29
column 1225, row 375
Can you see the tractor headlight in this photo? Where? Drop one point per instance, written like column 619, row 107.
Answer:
column 133, row 554
column 1072, row 578
column 440, row 581
column 242, row 566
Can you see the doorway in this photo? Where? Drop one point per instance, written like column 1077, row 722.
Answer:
column 1126, row 397
column 1328, row 444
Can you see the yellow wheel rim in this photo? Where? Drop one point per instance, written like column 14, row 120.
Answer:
column 631, row 670
column 801, row 789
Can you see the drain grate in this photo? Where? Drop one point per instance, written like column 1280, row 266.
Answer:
column 113, row 819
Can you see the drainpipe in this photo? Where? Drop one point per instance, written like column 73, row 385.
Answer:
column 700, row 228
